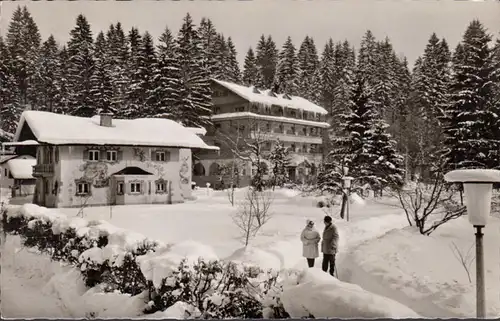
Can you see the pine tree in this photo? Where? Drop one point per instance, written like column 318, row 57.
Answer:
column 266, row 61
column 234, row 74
column 80, row 68
column 430, row 98
column 133, row 109
column 46, row 75
column 101, row 81
column 470, row 131
column 23, row 42
column 208, row 38
column 117, row 56
column 367, row 59
column 384, row 80
column 61, row 100
column 287, row 72
column 355, row 148
column 279, row 160
column 388, row 163
column 250, row 71
column 342, row 82
column 195, row 92
column 222, row 69
column 142, row 80
column 325, row 79
column 10, row 108
column 167, row 79
column 308, row 62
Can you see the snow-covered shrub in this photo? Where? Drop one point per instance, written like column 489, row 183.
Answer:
column 218, row 290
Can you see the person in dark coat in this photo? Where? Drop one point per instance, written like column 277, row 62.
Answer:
column 329, row 245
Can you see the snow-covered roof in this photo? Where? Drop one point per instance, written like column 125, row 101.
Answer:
column 61, row 129
column 198, row 130
column 5, row 158
column 271, row 118
column 21, row 168
column 473, row 175
column 254, row 95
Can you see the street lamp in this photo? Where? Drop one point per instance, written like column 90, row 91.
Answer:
column 347, row 189
column 478, row 189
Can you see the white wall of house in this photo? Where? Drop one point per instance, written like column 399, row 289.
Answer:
column 72, row 167
column 5, row 180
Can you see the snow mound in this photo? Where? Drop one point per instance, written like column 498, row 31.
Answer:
column 320, row 295
column 251, row 256
column 192, row 250
column 358, row 200
column 158, row 266
column 179, row 310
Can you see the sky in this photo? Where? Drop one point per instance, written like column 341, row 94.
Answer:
column 408, row 23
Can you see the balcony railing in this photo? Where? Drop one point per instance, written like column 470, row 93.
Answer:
column 43, row 170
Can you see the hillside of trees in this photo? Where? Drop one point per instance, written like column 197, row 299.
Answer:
column 385, row 117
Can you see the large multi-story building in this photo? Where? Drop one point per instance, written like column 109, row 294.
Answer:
column 246, row 115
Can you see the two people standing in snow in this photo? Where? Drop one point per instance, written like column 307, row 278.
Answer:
column 310, row 240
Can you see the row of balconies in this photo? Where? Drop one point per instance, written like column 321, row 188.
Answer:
column 43, row 170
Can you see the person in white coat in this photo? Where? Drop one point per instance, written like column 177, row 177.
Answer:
column 310, row 239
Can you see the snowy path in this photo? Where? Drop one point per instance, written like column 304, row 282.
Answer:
column 20, row 298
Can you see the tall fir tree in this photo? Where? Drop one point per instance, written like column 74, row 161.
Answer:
column 80, row 69
column 471, row 119
column 23, row 41
column 10, row 107
column 308, row 62
column 222, row 69
column 195, row 91
column 287, row 72
column 355, row 148
column 384, row 80
column 101, row 87
column 250, row 71
column 61, row 99
column 133, row 108
column 210, row 48
column 388, row 167
column 325, row 78
column 167, row 79
column 234, row 73
column 117, row 58
column 367, row 59
column 46, row 75
column 266, row 61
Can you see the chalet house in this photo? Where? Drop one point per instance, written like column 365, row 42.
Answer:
column 105, row 161
column 248, row 114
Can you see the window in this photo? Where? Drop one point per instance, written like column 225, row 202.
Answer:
column 268, row 127
column 111, row 155
column 135, row 187
column 217, row 126
column 6, row 172
column 160, row 187
column 56, row 154
column 240, row 109
column 160, row 156
column 216, row 110
column 83, row 188
column 304, row 131
column 93, row 155
column 119, row 189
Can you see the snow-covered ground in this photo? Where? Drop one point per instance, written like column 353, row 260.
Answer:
column 377, row 250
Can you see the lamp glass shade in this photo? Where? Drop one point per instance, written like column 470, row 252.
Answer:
column 478, row 198
column 347, row 183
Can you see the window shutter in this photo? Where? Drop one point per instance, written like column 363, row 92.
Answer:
column 153, row 158
column 167, row 156
column 175, row 156
column 86, row 154
column 119, row 156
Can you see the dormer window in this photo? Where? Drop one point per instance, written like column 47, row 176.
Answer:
column 255, row 90
column 287, row 96
column 271, row 93
column 94, row 155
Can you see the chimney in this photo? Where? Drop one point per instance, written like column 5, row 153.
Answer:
column 106, row 119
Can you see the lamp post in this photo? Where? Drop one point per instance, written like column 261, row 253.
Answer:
column 477, row 185
column 347, row 190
